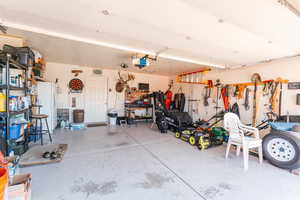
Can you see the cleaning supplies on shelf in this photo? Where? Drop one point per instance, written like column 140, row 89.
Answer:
column 2, row 102
column 17, row 103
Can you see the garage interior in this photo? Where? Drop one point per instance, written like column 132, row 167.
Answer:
column 181, row 99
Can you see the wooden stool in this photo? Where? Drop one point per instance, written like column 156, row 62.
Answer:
column 38, row 118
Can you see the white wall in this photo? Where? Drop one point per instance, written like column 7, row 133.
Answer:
column 287, row 69
column 62, row 72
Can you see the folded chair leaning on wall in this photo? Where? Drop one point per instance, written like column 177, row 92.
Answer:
column 237, row 137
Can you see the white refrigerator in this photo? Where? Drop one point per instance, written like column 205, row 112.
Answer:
column 46, row 92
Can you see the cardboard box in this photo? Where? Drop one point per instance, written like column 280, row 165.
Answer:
column 20, row 188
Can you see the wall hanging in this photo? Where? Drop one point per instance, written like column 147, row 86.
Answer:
column 75, row 85
column 123, row 82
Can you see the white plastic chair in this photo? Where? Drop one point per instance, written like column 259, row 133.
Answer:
column 237, row 137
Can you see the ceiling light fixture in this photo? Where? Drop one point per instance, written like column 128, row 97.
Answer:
column 105, row 12
column 188, row 38
column 106, row 44
column 220, row 20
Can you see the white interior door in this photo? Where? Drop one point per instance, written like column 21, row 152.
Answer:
column 96, row 99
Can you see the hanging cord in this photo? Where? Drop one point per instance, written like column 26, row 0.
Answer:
column 179, row 90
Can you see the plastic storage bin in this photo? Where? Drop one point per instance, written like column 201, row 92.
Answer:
column 15, row 131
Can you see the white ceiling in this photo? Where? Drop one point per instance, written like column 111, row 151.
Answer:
column 83, row 54
column 227, row 33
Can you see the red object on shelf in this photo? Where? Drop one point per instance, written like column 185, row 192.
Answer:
column 168, row 100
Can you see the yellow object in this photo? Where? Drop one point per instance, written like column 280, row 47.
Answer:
column 177, row 134
column 2, row 102
column 204, row 143
column 192, row 140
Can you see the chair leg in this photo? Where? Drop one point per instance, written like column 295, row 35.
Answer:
column 152, row 125
column 35, row 130
column 227, row 149
column 260, row 154
column 41, row 132
column 48, row 130
column 246, row 157
column 238, row 150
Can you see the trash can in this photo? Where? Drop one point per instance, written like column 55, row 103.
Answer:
column 112, row 114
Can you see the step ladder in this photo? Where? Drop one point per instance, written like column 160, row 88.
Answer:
column 194, row 77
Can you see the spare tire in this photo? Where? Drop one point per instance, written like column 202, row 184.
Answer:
column 282, row 149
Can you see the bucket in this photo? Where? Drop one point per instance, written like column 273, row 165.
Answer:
column 78, row 116
column 3, row 182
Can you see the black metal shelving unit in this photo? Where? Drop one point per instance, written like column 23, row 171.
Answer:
column 7, row 63
column 130, row 107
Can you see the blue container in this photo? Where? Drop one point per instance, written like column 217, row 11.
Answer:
column 15, row 131
column 283, row 126
column 79, row 126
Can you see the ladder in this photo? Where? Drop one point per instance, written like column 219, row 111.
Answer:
column 194, row 77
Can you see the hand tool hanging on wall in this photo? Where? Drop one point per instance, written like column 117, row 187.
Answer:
column 280, row 99
column 255, row 79
column 274, row 98
column 207, row 96
column 225, row 96
column 235, row 109
column 246, row 104
column 267, row 88
column 231, row 91
column 241, row 91
column 218, row 85
column 236, row 91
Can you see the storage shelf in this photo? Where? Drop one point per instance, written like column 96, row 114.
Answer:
column 6, row 62
column 129, row 105
column 13, row 113
column 17, row 139
column 2, row 123
column 12, row 87
column 13, row 64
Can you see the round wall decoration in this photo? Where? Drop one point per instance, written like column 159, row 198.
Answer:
column 76, row 85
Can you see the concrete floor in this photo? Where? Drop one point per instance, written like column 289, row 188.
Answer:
column 140, row 163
